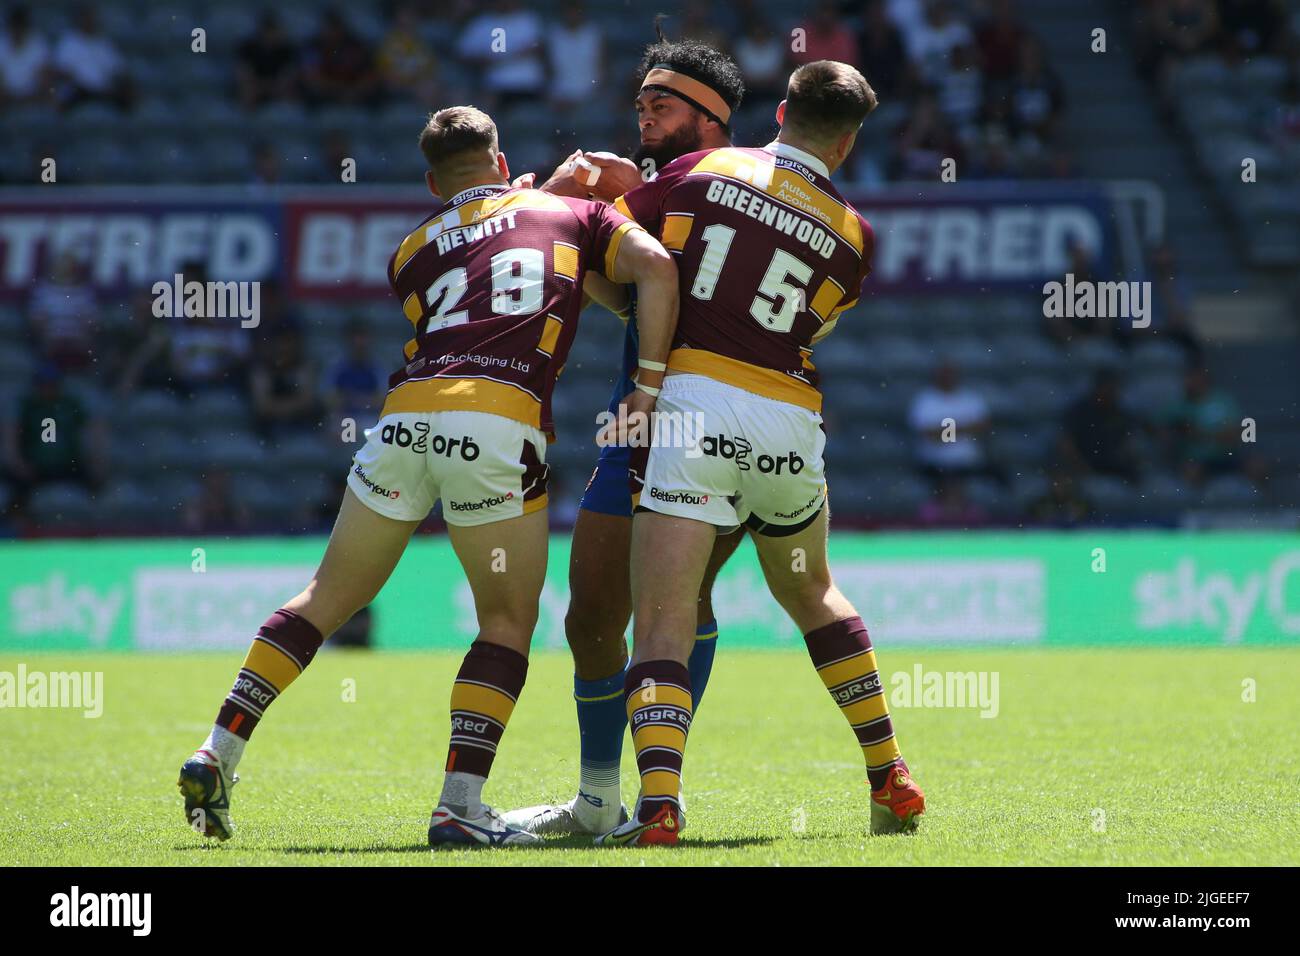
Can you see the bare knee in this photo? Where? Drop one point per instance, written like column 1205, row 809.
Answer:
column 595, row 627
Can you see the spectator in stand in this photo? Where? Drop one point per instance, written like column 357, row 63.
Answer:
column 207, row 352
column 1036, row 96
column 882, row 54
column 338, row 67
column 1098, row 434
column 24, row 61
column 1203, row 430
column 1064, row 505
column 504, row 45
column 282, row 386
column 267, row 67
column 826, row 36
column 89, row 64
column 961, row 94
column 1282, row 126
column 214, row 510
column 930, row 45
column 1172, row 306
column 335, row 148
column 53, row 438
column 1251, row 27
column 575, row 49
column 1066, row 329
column 63, row 313
column 764, row 59
column 355, row 386
column 701, row 23
column 138, row 350
column 267, row 168
column 1169, row 31
column 948, row 422
column 408, row 67
column 1000, row 40
column 922, row 142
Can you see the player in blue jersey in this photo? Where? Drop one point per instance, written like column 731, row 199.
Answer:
column 688, row 92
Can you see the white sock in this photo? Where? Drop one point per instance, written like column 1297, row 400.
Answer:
column 462, row 794
column 228, row 747
column 599, row 790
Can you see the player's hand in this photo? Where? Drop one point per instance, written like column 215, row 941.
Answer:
column 563, row 181
column 525, row 181
column 617, row 175
column 633, row 424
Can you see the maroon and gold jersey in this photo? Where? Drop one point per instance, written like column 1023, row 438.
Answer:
column 492, row 283
column 769, row 255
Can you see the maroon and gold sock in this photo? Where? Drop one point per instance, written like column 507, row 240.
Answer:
column 482, row 699
column 845, row 662
column 658, row 695
column 284, row 646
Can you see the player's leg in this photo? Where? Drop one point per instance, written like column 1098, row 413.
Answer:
column 687, row 498
column 505, row 564
column 363, row 549
column 799, row 577
column 669, row 557
column 494, row 502
column 706, row 631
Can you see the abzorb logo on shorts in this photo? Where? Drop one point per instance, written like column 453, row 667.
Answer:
column 489, row 502
column 678, row 497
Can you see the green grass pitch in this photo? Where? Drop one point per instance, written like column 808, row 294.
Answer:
column 1116, row 757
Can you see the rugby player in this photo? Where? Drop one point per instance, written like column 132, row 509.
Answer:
column 769, row 257
column 688, row 92
column 493, row 284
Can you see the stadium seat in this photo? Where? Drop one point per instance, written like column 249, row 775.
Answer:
column 61, row 505
column 1230, row 491
column 148, row 409
column 221, row 406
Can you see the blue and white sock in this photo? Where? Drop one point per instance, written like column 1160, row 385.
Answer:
column 602, row 724
column 700, row 663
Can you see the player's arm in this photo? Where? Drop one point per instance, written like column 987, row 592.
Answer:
column 611, row 295
column 643, row 261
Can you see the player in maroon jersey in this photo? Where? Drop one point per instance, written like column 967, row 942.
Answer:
column 687, row 95
column 492, row 284
column 769, row 257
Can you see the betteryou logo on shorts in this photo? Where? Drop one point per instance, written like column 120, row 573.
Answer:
column 678, row 497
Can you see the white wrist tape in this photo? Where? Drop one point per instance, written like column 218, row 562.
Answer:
column 650, row 366
column 649, row 390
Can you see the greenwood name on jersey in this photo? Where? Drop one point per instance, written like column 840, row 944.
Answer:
column 769, row 255
column 492, row 283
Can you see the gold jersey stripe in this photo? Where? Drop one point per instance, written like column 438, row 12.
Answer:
column 469, row 214
column 752, row 378
column 464, row 395
column 615, row 242
column 566, row 260
column 827, row 298
column 550, row 334
column 677, row 229
column 413, row 308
